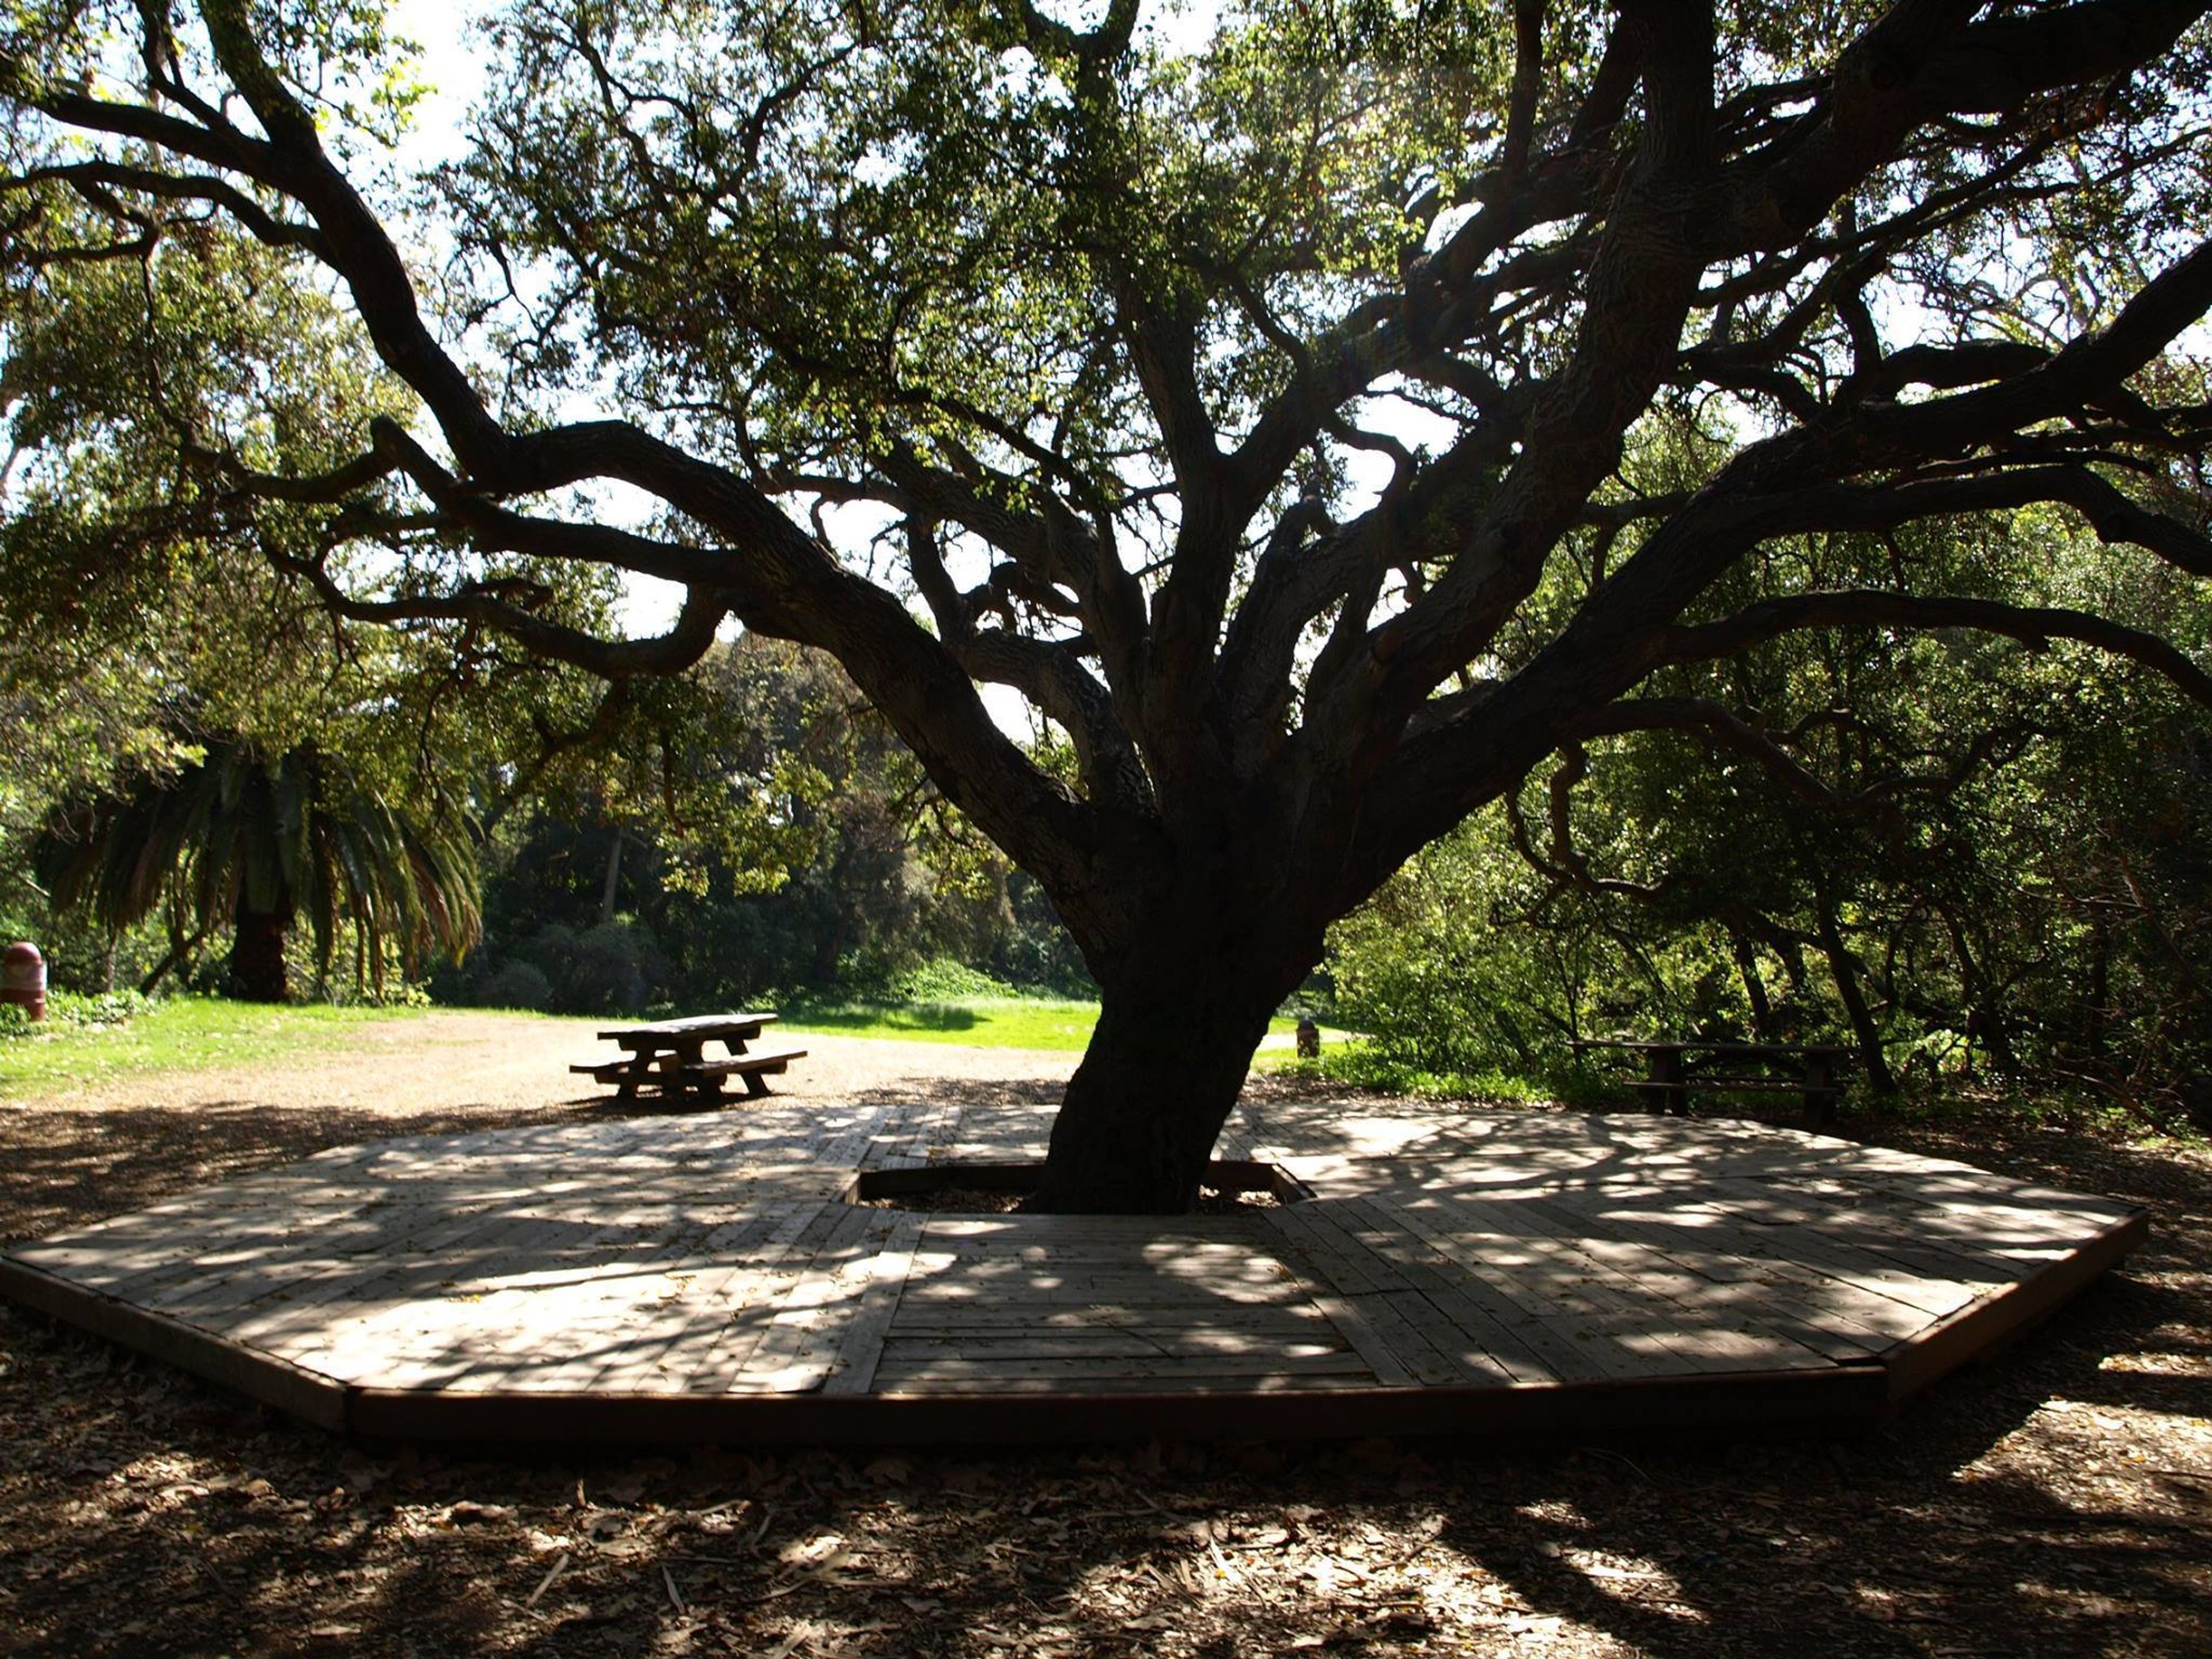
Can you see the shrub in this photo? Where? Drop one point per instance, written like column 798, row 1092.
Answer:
column 945, row 980
column 98, row 1008
column 516, row 985
column 67, row 1008
column 616, row 966
column 1366, row 1066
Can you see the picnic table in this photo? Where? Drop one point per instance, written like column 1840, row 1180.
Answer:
column 668, row 1059
column 1675, row 1066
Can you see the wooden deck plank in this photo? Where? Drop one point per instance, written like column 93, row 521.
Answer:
column 480, row 1321
column 1479, row 1337
column 799, row 1342
column 1847, row 1262
column 1462, row 1255
column 1755, row 1290
column 1362, row 1301
column 1990, row 1234
column 1309, row 1231
column 853, row 1368
column 938, row 1293
column 130, row 1261
column 733, row 1313
column 1861, row 1219
column 898, row 1366
column 223, row 1296
column 1573, row 1272
column 1508, row 1319
column 1360, row 1334
column 983, row 1318
column 1188, row 1342
column 1442, row 1301
column 1829, row 1316
column 535, row 1329
column 988, row 1383
column 1613, row 1291
column 647, row 1315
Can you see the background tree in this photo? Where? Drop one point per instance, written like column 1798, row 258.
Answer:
column 1258, row 413
column 126, row 598
column 782, row 841
column 1968, row 861
column 251, row 841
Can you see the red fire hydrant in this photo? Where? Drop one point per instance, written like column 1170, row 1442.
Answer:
column 23, row 979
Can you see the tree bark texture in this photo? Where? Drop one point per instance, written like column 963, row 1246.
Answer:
column 1142, row 1112
column 1180, row 1019
column 256, row 956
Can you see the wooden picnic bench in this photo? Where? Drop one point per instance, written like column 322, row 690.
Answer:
column 1673, row 1068
column 668, row 1058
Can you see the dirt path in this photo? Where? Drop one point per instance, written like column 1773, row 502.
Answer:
column 2056, row 1503
column 457, row 1061
column 117, row 1146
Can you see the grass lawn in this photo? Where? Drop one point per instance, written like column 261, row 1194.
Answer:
column 973, row 1022
column 192, row 1034
column 179, row 1034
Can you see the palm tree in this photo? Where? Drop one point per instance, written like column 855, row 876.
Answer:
column 255, row 839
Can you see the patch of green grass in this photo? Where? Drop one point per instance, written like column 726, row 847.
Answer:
column 972, row 1022
column 177, row 1034
column 190, row 1034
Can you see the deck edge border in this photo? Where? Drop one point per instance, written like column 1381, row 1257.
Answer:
column 307, row 1395
column 1983, row 1327
column 1836, row 1397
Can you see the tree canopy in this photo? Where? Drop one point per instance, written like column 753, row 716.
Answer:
column 1319, row 425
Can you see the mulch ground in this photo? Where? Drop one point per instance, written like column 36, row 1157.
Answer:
column 2056, row 1501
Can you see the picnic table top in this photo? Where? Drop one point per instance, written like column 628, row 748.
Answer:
column 699, row 1025
column 1716, row 1045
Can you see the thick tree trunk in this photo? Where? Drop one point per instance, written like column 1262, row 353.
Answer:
column 256, row 956
column 1176, row 1031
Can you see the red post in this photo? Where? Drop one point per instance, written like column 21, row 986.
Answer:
column 23, row 978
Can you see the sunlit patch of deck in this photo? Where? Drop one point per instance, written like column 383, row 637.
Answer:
column 704, row 1279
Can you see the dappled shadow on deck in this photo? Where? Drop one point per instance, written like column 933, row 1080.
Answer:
column 1459, row 1269
column 68, row 1164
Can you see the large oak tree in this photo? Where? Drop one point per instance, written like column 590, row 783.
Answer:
column 1276, row 414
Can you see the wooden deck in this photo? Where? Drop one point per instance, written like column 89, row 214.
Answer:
column 706, row 1278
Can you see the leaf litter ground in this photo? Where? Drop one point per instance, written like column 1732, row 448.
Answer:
column 2056, row 1502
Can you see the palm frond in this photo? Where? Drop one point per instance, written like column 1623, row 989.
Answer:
column 240, row 830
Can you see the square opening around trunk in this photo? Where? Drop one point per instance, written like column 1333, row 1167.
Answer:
column 987, row 1187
